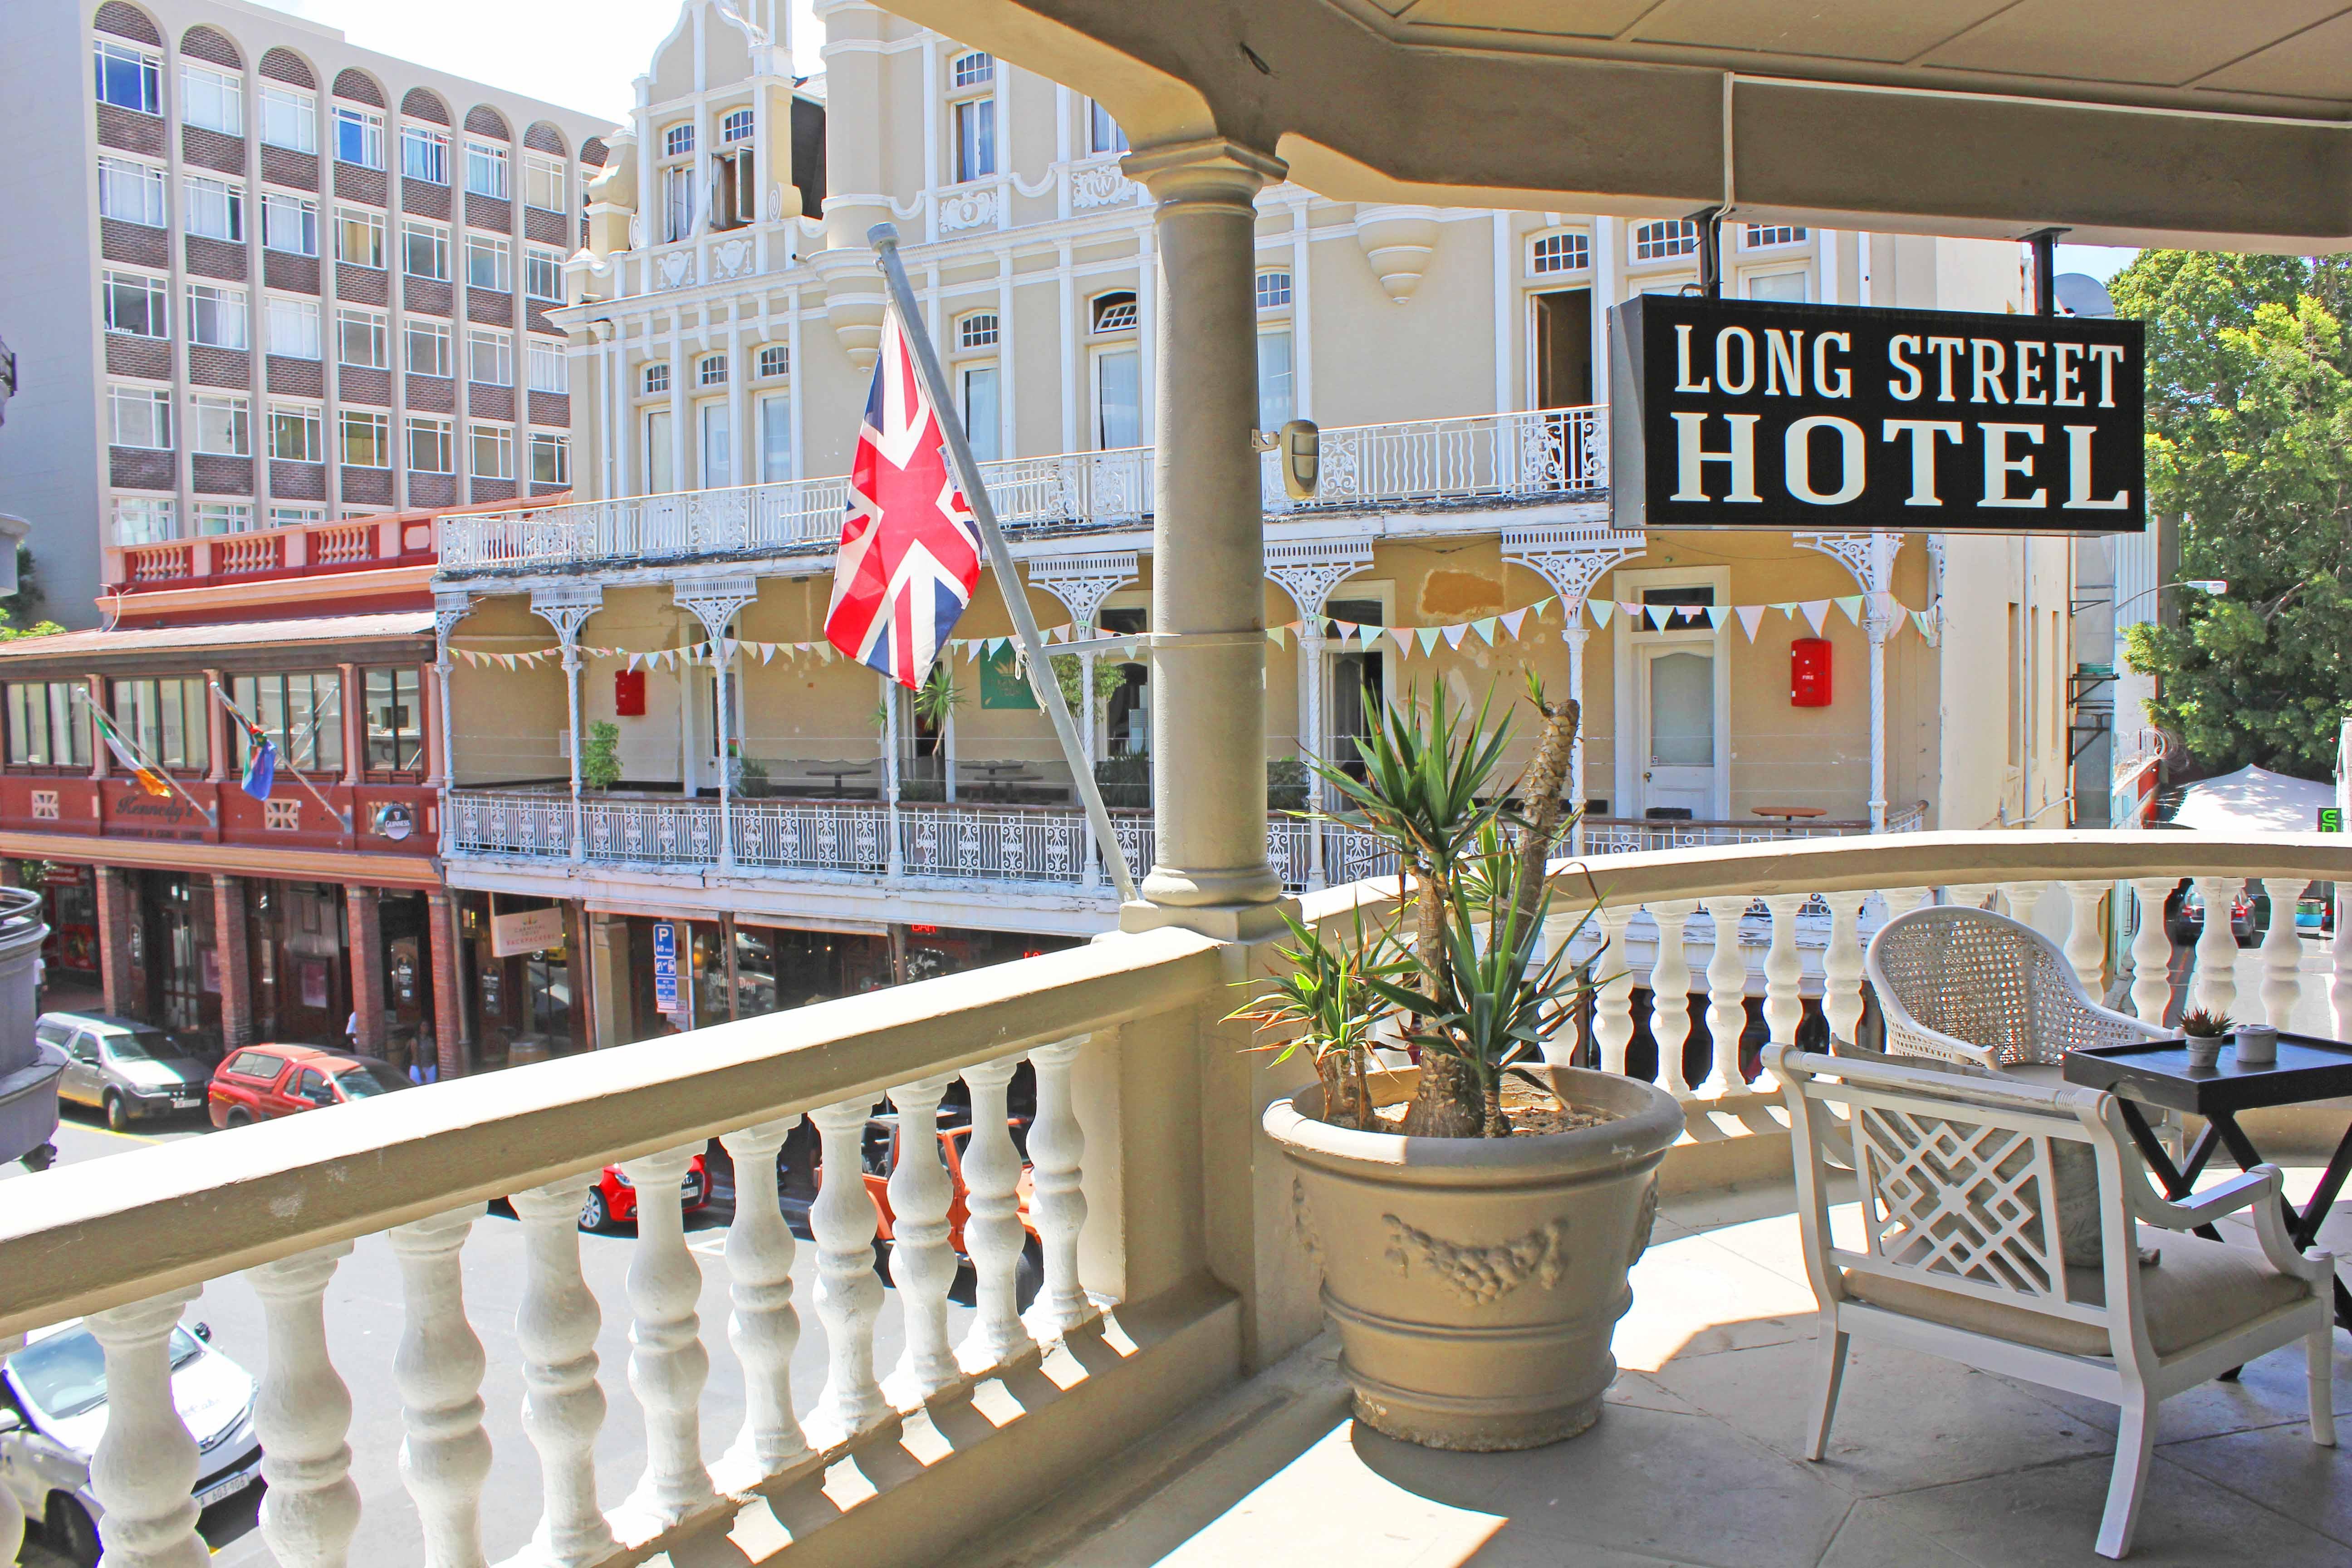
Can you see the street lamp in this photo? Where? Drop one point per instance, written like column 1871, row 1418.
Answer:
column 2214, row 587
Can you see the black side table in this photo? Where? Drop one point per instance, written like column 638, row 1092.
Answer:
column 2157, row 1072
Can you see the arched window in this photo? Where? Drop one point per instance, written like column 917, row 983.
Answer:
column 1568, row 252
column 977, row 331
column 1115, row 311
column 1274, row 288
column 1664, row 240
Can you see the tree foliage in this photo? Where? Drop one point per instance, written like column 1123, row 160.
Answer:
column 2250, row 445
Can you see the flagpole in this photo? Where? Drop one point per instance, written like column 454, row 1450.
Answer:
column 883, row 237
column 292, row 766
column 165, row 773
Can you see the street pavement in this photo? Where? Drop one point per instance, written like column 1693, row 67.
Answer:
column 364, row 1327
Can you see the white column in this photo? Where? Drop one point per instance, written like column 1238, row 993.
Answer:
column 1208, row 699
column 1574, row 635
column 1878, row 629
column 1827, row 238
column 1842, row 965
column 562, row 1403
column 2282, row 953
column 993, row 1232
column 2086, row 946
column 923, row 1267
column 668, row 1362
column 1726, row 997
column 1670, row 996
column 1608, row 258
column 2217, row 946
column 301, row 1415
column 1613, row 1014
column 1784, row 1005
column 145, row 1463
column 848, row 1297
column 1057, row 1201
column 1505, row 299
column 2152, row 950
column 438, row 1371
column 1302, row 316
column 764, row 1327
column 579, row 740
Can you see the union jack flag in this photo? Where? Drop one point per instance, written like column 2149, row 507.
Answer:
column 910, row 553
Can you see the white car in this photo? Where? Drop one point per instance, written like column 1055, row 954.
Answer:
column 53, row 1408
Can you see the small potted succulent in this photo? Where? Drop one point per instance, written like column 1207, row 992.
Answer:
column 2205, row 1032
column 1475, row 1214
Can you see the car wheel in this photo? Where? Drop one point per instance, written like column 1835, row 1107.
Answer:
column 118, row 1112
column 41, row 1158
column 239, row 1117
column 70, row 1531
column 593, row 1214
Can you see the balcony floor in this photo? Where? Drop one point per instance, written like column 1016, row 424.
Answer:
column 1696, row 1460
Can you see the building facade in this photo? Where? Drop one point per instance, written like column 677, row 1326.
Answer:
column 724, row 316
column 262, row 280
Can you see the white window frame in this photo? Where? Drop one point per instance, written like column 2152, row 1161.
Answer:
column 538, row 170
column 1559, row 253
column 230, row 307
column 549, row 363
column 130, row 408
column 653, row 380
column 130, row 192
column 377, row 420
column 972, row 152
column 366, row 221
column 677, row 141
column 1629, row 586
column 775, row 457
column 145, row 520
column 296, row 514
column 369, row 123
column 157, row 293
column 1773, row 236
column 486, row 168
column 311, row 420
column 775, row 362
column 500, row 440
column 1104, row 135
column 231, row 516
column 976, row 331
column 1271, row 295
column 557, row 445
column 1748, row 282
column 224, row 416
column 1664, row 240
column 437, row 237
column 439, row 428
column 710, row 369
column 432, row 143
column 282, row 209
column 151, row 74
column 297, row 309
column 206, row 92
column 502, row 253
column 206, row 198
column 289, row 117
column 495, row 345
column 542, row 272
column 434, row 331
column 736, row 125
column 974, row 68
column 371, row 321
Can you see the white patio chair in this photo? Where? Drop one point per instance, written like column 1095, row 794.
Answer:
column 1969, row 986
column 1960, row 1253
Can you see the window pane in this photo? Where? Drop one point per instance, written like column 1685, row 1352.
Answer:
column 1117, row 400
column 775, row 440
column 1274, row 380
column 289, row 119
column 979, row 411
column 975, row 139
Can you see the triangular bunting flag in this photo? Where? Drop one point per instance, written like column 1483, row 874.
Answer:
column 1751, row 616
column 1602, row 610
column 1787, row 609
column 1274, row 635
column 1428, row 636
column 1852, row 604
column 1511, row 624
column 1714, row 613
column 1816, row 611
column 1919, row 619
column 1452, row 635
column 1659, row 616
column 1484, row 629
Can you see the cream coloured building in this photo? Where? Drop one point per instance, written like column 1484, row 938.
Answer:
column 724, row 316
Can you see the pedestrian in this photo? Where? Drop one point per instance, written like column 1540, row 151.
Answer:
column 352, row 1030
column 427, row 1066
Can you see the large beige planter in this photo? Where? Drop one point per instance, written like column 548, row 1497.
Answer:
column 1476, row 1283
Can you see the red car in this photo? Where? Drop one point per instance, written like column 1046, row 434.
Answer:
column 879, row 1154
column 614, row 1198
column 261, row 1083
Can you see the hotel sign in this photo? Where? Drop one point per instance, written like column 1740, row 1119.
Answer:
column 1743, row 414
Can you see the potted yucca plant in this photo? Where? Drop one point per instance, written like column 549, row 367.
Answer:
column 1475, row 1215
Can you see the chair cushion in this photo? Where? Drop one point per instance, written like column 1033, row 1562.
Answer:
column 2196, row 1290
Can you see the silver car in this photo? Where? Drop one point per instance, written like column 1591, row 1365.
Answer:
column 128, row 1070
column 53, row 1409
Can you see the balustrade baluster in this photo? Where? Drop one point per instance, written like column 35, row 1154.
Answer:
column 437, row 1369
column 1971, row 895
column 562, row 1403
column 668, row 1362
column 2087, row 943
column 1057, row 1200
column 1726, row 997
column 2152, row 950
column 1902, row 901
column 2282, row 953
column 302, row 1414
column 2217, row 945
column 2340, row 989
column 922, row 1265
column 1612, row 1015
column 1670, row 1019
column 1842, row 965
column 2019, row 899
column 12, row 1513
column 993, row 1234
column 764, row 1327
column 848, row 1298
column 1784, row 973
column 145, row 1463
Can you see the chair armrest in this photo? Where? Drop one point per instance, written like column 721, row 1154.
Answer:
column 2261, row 1190
column 1906, row 1035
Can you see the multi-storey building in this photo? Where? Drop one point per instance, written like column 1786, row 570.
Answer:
column 724, row 319
column 260, row 280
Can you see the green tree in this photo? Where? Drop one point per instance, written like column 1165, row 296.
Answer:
column 2250, row 445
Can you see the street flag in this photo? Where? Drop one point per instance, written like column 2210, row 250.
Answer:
column 261, row 764
column 149, row 779
column 910, row 555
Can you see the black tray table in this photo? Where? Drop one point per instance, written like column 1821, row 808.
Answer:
column 2157, row 1072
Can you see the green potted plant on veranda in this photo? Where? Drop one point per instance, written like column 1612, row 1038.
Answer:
column 1475, row 1217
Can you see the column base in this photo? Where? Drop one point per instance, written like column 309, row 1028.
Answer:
column 1250, row 922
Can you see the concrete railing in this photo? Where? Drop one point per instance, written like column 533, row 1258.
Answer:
column 335, row 545
column 1489, row 456
column 1164, row 1227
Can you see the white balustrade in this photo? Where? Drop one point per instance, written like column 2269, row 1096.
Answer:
column 1726, row 997
column 2340, row 989
column 2151, row 949
column 2019, row 899
column 1612, row 1015
column 848, row 1298
column 563, row 1404
column 301, row 1415
column 668, row 1362
column 446, row 1454
column 923, row 1264
column 2087, row 943
column 2217, row 945
column 1057, row 1200
column 1970, row 895
column 146, row 1461
column 993, row 1235
column 1784, row 1003
column 764, row 1327
column 1670, row 1019
column 1842, row 965
column 2281, row 954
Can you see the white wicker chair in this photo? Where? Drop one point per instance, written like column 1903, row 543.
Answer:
column 1965, row 985
column 1960, row 1254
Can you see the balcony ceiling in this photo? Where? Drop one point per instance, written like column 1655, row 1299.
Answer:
column 2127, row 122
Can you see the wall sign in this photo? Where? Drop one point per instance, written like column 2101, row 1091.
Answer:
column 525, row 931
column 668, row 996
column 1745, row 413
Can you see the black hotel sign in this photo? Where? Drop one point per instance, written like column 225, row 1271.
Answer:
column 1740, row 414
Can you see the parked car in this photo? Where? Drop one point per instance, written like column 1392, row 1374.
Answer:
column 878, row 1155
column 2185, row 920
column 128, row 1070
column 613, row 1199
column 53, row 1409
column 263, row 1082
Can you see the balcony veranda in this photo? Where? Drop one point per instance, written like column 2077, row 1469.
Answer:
column 1171, row 1270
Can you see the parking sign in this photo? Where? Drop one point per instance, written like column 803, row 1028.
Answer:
column 666, row 998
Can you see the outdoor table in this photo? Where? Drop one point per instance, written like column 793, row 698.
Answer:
column 2157, row 1072
column 1001, row 772
column 1789, row 813
column 837, row 772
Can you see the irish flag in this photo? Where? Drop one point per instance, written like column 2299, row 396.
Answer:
column 149, row 779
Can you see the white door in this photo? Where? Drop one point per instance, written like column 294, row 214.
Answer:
column 1679, row 750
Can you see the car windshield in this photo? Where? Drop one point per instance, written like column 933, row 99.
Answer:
column 144, row 1046
column 358, row 1083
column 65, row 1375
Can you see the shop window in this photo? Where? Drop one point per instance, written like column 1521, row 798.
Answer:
column 395, row 720
column 43, row 729
column 302, row 713
column 168, row 721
